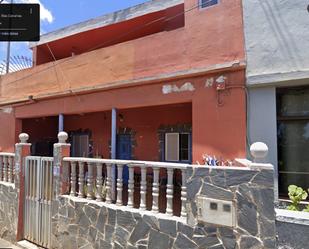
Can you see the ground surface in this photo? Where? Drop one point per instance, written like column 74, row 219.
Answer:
column 5, row 244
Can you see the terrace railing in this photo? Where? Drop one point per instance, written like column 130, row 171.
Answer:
column 7, row 167
column 91, row 178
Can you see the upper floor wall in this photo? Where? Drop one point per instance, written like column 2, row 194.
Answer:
column 210, row 37
column 277, row 41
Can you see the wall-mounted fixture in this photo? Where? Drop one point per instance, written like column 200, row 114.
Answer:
column 215, row 211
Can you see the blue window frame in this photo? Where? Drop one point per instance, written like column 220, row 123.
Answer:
column 207, row 3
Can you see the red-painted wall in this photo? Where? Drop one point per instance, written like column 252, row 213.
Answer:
column 145, row 122
column 212, row 36
column 217, row 128
column 9, row 131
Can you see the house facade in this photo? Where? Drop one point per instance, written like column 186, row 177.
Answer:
column 161, row 81
column 277, row 74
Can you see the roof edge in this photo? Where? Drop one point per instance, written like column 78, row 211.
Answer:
column 107, row 19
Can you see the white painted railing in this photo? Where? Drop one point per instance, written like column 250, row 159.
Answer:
column 96, row 183
column 7, row 171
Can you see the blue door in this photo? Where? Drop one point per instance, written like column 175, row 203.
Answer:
column 124, row 149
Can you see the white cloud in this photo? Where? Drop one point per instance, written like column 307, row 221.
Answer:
column 45, row 14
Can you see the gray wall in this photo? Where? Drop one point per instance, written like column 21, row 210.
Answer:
column 262, row 121
column 82, row 223
column 277, row 40
column 8, row 211
column 292, row 235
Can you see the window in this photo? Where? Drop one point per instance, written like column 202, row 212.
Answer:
column 293, row 138
column 207, row 3
column 80, row 145
column 177, row 147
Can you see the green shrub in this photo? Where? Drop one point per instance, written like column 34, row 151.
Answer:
column 306, row 209
column 296, row 195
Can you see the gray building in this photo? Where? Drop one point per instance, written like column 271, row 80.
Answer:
column 277, row 51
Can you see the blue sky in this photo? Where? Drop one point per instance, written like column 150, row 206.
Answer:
column 56, row 14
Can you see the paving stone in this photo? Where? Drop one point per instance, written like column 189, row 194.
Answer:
column 158, row 240
column 73, row 229
column 117, row 246
column 83, row 220
column 109, row 233
column 152, row 221
column 200, row 172
column 140, row 231
column 210, row 229
column 199, row 230
column 212, row 191
column 168, row 227
column 220, row 246
column 267, row 227
column 105, row 245
column 217, row 177
column 264, row 178
column 249, row 242
column 193, row 187
column 125, row 219
column 247, row 215
column 270, row 243
column 226, row 232
column 87, row 246
column 111, row 217
column 183, row 242
column 237, row 177
column 121, row 236
column 101, row 220
column 229, row 243
column 262, row 197
column 91, row 213
column 185, row 229
column 92, row 234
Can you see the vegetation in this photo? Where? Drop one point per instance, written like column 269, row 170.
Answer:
column 296, row 195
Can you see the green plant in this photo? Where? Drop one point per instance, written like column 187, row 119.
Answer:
column 306, row 209
column 296, row 195
column 95, row 190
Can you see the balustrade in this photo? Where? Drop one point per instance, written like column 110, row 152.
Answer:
column 95, row 183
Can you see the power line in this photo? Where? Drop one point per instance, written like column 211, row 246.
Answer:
column 106, row 42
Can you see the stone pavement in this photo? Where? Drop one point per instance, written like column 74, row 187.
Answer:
column 6, row 244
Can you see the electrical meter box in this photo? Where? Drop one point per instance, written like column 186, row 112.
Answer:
column 215, row 211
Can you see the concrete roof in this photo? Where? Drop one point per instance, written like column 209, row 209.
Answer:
column 108, row 19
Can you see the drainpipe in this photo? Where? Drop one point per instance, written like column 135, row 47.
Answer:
column 113, row 150
column 60, row 122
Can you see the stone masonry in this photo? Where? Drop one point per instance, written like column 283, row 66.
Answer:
column 80, row 223
column 8, row 211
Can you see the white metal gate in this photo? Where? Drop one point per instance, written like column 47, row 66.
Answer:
column 38, row 199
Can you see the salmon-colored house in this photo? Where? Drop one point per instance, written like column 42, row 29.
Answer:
column 161, row 81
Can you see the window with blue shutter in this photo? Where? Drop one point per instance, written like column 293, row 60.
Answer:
column 207, row 3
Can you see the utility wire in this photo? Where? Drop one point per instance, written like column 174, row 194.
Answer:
column 104, row 43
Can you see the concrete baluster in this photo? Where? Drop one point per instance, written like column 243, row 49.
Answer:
column 10, row 169
column 169, row 191
column 108, row 183
column 119, row 184
column 5, row 168
column 183, row 194
column 73, row 179
column 143, row 188
column 131, row 186
column 90, row 182
column 155, row 190
column 81, row 180
column 1, row 167
column 99, row 167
